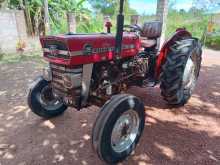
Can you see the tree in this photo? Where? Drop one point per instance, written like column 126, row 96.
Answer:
column 37, row 16
column 46, row 17
column 110, row 7
column 172, row 4
column 128, row 10
column 206, row 4
column 72, row 9
column 61, row 7
column 106, row 7
column 3, row 3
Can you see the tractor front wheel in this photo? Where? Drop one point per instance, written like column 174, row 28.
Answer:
column 180, row 71
column 118, row 128
column 42, row 101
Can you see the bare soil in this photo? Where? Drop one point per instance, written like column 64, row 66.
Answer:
column 188, row 135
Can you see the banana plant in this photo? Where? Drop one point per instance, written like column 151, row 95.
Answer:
column 61, row 7
column 57, row 11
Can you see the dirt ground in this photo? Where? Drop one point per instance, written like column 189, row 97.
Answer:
column 182, row 136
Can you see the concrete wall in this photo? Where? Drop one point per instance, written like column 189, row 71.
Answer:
column 162, row 12
column 217, row 19
column 12, row 29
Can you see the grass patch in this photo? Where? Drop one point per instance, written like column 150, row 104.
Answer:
column 17, row 58
column 213, row 42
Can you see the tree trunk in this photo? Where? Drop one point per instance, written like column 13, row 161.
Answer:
column 46, row 18
column 162, row 12
column 71, row 20
column 135, row 19
column 3, row 4
column 28, row 18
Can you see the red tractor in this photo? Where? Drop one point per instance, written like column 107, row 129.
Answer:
column 97, row 69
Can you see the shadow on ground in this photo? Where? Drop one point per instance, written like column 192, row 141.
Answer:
column 186, row 135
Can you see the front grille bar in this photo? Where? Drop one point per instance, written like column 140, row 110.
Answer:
column 64, row 69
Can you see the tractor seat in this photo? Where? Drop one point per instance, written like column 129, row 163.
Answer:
column 148, row 43
column 150, row 31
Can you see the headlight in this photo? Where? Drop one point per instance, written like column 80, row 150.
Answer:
column 71, row 80
column 47, row 74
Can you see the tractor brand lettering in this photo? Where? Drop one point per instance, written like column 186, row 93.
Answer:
column 87, row 50
column 111, row 49
column 103, row 50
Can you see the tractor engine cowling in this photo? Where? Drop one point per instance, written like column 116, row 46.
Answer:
column 66, row 82
column 82, row 67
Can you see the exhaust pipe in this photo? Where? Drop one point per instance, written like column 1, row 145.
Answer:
column 119, row 33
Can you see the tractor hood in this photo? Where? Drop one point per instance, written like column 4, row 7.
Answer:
column 86, row 48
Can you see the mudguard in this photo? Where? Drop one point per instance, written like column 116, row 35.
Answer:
column 161, row 58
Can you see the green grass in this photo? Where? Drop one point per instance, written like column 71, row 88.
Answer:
column 213, row 42
column 195, row 23
column 17, row 58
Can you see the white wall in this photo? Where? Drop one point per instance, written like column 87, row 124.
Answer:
column 12, row 28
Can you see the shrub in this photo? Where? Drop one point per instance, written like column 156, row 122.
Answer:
column 213, row 42
column 1, row 54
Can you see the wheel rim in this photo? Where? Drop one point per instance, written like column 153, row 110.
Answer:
column 48, row 100
column 189, row 76
column 125, row 131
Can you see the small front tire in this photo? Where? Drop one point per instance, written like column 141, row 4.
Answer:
column 118, row 128
column 41, row 100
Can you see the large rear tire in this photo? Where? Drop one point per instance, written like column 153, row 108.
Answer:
column 41, row 100
column 180, row 71
column 118, row 128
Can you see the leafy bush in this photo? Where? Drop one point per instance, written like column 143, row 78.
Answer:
column 59, row 28
column 213, row 42
column 94, row 25
column 195, row 23
column 1, row 54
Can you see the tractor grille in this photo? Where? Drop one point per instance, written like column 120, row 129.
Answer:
column 59, row 44
column 57, row 80
column 54, row 48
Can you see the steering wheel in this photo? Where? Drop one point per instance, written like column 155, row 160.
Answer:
column 133, row 28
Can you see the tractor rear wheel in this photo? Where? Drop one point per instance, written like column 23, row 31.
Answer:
column 118, row 128
column 180, row 71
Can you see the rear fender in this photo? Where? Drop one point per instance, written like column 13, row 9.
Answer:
column 161, row 58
